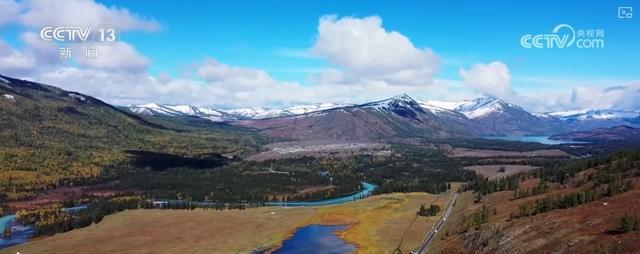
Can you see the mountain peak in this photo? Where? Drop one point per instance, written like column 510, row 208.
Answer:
column 403, row 100
column 149, row 105
column 402, row 105
column 402, row 97
column 488, row 100
column 486, row 105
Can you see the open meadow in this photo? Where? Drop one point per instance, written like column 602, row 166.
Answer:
column 376, row 226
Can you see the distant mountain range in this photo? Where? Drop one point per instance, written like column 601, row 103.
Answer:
column 592, row 119
column 399, row 116
column 220, row 115
column 485, row 116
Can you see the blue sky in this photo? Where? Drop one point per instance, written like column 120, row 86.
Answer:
column 252, row 33
column 277, row 37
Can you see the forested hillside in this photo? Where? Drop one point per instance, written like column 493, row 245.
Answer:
column 54, row 137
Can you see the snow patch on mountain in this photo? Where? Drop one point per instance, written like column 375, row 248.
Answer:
column 398, row 101
column 304, row 109
column 440, row 109
column 255, row 113
column 218, row 115
column 592, row 114
column 77, row 96
column 475, row 108
column 263, row 113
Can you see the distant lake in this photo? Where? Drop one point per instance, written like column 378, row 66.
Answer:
column 316, row 239
column 538, row 139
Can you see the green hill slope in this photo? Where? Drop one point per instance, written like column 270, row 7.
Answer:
column 49, row 136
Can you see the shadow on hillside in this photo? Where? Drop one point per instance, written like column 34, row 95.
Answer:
column 163, row 161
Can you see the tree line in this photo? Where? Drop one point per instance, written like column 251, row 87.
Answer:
column 546, row 204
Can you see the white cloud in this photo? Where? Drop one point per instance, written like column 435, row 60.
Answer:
column 368, row 62
column 233, row 78
column 579, row 97
column 10, row 11
column 118, row 56
column 119, row 87
column 619, row 97
column 41, row 13
column 45, row 53
column 37, row 55
column 492, row 78
column 364, row 50
column 14, row 62
column 219, row 85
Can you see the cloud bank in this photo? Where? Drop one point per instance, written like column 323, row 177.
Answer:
column 366, row 61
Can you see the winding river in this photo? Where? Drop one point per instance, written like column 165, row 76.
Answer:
column 21, row 234
column 367, row 190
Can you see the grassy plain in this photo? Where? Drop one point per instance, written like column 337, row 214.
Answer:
column 377, row 225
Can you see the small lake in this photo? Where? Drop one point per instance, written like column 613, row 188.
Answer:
column 537, row 139
column 316, row 239
column 367, row 190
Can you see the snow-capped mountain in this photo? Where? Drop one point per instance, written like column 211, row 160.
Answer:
column 475, row 108
column 582, row 115
column 255, row 113
column 510, row 119
column 485, row 106
column 445, row 110
column 400, row 104
column 182, row 110
column 262, row 113
column 399, row 116
column 597, row 118
column 219, row 115
column 481, row 116
column 152, row 109
column 497, row 117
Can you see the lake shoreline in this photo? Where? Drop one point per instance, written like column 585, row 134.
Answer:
column 534, row 139
column 339, row 233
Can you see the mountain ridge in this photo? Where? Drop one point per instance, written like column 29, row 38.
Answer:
column 393, row 117
column 400, row 115
column 473, row 108
column 483, row 116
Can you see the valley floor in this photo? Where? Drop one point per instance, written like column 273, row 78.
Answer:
column 376, row 226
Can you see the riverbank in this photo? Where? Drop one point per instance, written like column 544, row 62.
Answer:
column 376, row 226
column 26, row 232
